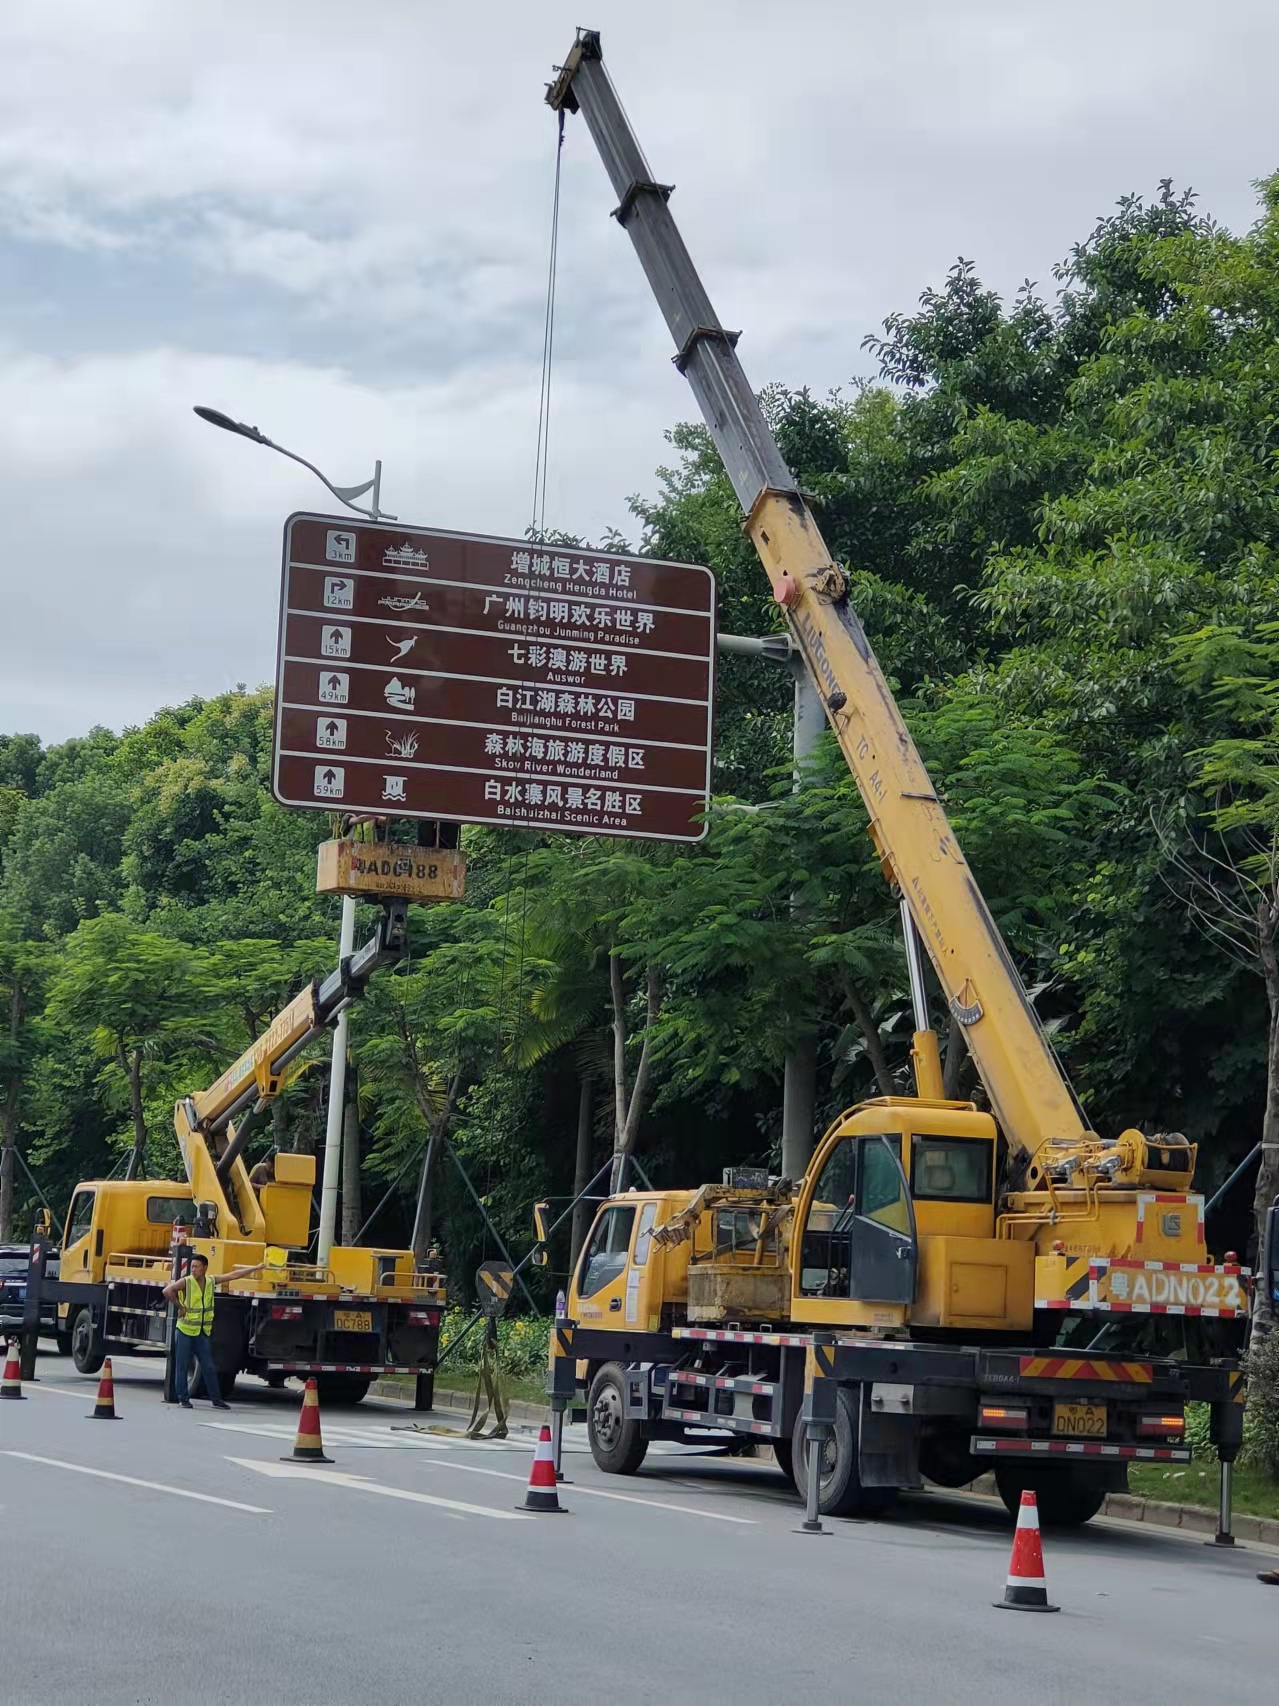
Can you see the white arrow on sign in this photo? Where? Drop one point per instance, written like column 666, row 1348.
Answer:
column 362, row 1484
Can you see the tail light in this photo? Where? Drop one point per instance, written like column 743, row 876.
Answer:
column 1008, row 1417
column 424, row 1317
column 285, row 1311
column 1161, row 1427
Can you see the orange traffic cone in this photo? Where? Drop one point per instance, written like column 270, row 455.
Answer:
column 541, row 1495
column 104, row 1408
column 1026, row 1588
column 11, row 1385
column 308, row 1447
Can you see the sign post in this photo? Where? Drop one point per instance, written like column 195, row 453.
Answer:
column 447, row 675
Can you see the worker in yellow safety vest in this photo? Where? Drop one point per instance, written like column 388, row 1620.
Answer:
column 195, row 1296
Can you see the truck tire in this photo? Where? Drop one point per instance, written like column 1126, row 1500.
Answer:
column 88, row 1351
column 618, row 1441
column 341, row 1388
column 841, row 1492
column 63, row 1341
column 227, row 1378
column 784, row 1454
column 1066, row 1497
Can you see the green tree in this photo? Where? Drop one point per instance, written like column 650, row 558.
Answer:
column 24, row 970
column 141, row 998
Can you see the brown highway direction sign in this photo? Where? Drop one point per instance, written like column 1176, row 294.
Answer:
column 432, row 674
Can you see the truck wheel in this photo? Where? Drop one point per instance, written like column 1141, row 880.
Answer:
column 63, row 1341
column 784, row 1453
column 618, row 1441
column 88, row 1351
column 840, row 1492
column 1067, row 1498
column 195, row 1381
column 341, row 1388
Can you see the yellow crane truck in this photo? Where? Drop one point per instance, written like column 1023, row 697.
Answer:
column 947, row 1290
column 367, row 1312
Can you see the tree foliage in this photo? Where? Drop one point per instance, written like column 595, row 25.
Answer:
column 1060, row 517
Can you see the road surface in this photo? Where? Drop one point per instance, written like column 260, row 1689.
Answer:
column 172, row 1557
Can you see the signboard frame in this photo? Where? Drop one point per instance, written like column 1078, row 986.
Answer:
column 690, row 752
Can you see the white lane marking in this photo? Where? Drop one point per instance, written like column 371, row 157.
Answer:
column 133, row 1481
column 599, row 1493
column 361, row 1484
column 391, row 1440
column 39, row 1386
column 335, row 1436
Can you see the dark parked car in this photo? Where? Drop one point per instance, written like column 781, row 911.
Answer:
column 13, row 1290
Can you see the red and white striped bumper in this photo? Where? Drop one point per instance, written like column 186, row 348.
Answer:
column 342, row 1368
column 983, row 1447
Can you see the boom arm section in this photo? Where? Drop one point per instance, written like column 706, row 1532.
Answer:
column 214, row 1125
column 1028, row 1091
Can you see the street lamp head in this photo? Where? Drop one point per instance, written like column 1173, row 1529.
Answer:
column 216, row 418
column 344, row 494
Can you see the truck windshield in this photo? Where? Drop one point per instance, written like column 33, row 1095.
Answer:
column 80, row 1218
column 605, row 1256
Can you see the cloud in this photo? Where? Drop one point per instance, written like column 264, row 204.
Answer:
column 160, row 580
column 333, row 220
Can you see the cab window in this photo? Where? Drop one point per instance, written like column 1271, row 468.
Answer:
column 881, row 1182
column 644, row 1237
column 80, row 1217
column 165, row 1211
column 826, row 1245
column 605, row 1256
column 950, row 1169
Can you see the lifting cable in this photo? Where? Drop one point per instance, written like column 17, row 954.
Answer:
column 537, row 525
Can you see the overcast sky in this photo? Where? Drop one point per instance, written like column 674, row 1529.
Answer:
column 331, row 220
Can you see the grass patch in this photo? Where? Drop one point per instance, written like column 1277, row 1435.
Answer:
column 1255, row 1492
column 527, row 1389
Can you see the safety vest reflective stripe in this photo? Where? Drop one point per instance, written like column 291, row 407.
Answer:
column 198, row 1301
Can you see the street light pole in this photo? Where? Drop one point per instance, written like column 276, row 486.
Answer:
column 799, row 1080
column 332, row 1173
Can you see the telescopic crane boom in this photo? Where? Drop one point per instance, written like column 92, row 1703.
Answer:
column 1029, row 1093
column 213, row 1125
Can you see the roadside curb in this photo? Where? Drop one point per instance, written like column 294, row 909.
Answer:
column 1194, row 1519
column 1197, row 1519
column 517, row 1410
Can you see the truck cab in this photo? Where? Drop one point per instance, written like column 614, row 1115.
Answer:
column 622, row 1280
column 896, row 1224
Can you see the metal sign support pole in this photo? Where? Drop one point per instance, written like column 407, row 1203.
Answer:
column 181, row 1251
column 337, row 1102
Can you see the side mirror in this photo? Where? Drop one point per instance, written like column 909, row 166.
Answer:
column 541, row 1255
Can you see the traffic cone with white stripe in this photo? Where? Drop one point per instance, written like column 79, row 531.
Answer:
column 541, row 1495
column 1026, row 1588
column 104, row 1406
column 308, row 1446
column 11, row 1385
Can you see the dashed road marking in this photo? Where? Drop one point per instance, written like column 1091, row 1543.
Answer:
column 361, row 1484
column 600, row 1493
column 134, row 1481
column 335, row 1436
